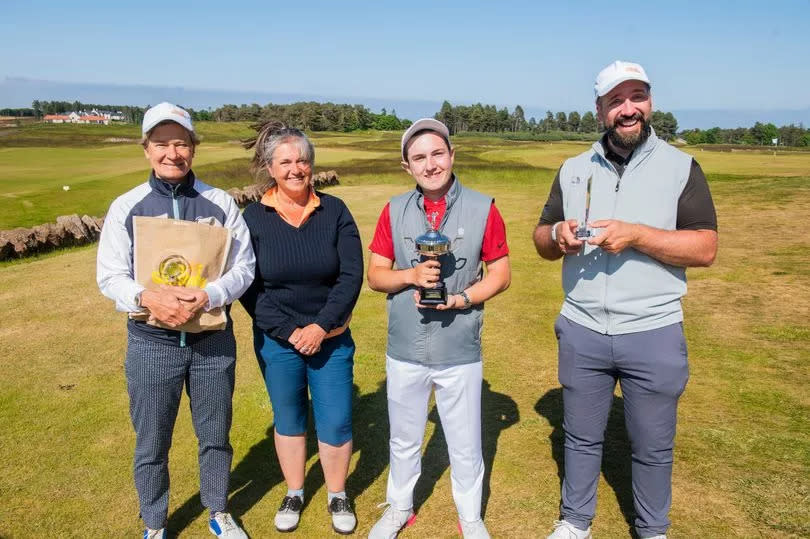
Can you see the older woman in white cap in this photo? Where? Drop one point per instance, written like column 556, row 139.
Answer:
column 161, row 362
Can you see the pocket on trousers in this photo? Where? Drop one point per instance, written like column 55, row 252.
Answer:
column 566, row 361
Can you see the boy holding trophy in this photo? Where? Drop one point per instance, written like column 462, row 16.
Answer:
column 428, row 253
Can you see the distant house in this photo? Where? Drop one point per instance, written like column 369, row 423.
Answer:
column 115, row 116
column 93, row 119
column 57, row 118
column 74, row 117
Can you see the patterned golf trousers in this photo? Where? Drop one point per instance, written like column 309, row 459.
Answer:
column 156, row 374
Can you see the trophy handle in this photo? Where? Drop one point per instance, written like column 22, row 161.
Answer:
column 409, row 242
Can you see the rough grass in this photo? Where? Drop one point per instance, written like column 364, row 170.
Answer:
column 743, row 446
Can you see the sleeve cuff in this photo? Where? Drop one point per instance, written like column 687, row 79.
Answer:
column 132, row 299
column 215, row 296
column 326, row 325
column 285, row 331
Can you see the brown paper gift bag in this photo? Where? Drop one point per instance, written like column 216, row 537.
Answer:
column 180, row 253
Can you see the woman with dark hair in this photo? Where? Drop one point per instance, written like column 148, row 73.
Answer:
column 309, row 269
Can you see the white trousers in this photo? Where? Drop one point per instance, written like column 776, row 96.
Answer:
column 458, row 399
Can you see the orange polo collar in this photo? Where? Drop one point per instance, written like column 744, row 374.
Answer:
column 270, row 198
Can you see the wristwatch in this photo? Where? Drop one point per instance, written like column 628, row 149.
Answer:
column 554, row 231
column 467, row 301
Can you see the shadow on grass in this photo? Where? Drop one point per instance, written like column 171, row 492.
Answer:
column 370, row 427
column 255, row 475
column 259, row 471
column 498, row 413
column 615, row 452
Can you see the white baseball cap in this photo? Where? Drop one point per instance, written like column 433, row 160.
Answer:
column 617, row 73
column 425, row 124
column 166, row 112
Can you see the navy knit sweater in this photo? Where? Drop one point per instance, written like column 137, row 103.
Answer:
column 305, row 275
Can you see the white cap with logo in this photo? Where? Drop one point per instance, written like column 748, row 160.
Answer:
column 166, row 112
column 425, row 124
column 617, row 73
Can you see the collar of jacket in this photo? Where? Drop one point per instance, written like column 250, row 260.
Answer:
column 639, row 154
column 450, row 197
column 184, row 188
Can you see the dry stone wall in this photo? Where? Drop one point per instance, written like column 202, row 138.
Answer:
column 72, row 230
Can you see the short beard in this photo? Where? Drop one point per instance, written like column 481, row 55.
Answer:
column 629, row 142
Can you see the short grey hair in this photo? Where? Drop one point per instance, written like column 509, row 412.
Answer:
column 270, row 136
column 195, row 140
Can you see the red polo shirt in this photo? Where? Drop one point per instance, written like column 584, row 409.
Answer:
column 493, row 247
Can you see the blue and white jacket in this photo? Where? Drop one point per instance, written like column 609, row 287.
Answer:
column 190, row 200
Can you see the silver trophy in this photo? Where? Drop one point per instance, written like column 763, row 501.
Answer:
column 584, row 231
column 433, row 244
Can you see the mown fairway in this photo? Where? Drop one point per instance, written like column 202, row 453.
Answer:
column 743, row 447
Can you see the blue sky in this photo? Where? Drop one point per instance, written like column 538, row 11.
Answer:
column 743, row 54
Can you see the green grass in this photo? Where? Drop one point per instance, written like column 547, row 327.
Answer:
column 742, row 458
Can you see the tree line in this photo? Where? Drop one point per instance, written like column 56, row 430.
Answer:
column 309, row 115
column 480, row 118
column 477, row 118
column 759, row 134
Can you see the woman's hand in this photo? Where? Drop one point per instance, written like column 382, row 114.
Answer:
column 307, row 340
column 165, row 306
column 194, row 299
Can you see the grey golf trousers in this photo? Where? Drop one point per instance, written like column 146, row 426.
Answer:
column 652, row 369
column 156, row 373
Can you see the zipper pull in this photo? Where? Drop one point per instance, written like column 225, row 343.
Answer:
column 617, row 184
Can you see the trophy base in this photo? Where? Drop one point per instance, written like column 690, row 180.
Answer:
column 433, row 296
column 582, row 234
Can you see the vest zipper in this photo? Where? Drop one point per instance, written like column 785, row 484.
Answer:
column 607, row 264
column 176, row 213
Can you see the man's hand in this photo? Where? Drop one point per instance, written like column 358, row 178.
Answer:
column 566, row 237
column 426, row 274
column 164, row 306
column 454, row 301
column 616, row 236
column 307, row 340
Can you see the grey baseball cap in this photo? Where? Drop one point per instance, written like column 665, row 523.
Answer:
column 424, row 124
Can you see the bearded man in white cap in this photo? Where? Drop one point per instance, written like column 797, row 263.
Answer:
column 160, row 362
column 436, row 347
column 628, row 216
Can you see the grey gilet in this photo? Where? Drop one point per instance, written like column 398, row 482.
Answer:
column 428, row 336
column 629, row 291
